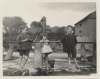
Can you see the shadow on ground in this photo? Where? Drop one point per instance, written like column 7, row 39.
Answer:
column 13, row 58
column 84, row 71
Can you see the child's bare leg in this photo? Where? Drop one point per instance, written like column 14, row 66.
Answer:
column 43, row 62
column 20, row 61
column 74, row 56
column 24, row 61
column 75, row 61
column 69, row 59
column 46, row 60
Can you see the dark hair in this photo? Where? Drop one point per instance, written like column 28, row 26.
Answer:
column 71, row 27
column 43, row 34
column 22, row 27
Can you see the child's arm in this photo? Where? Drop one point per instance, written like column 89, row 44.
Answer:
column 25, row 40
column 41, row 41
column 62, row 40
column 48, row 41
column 30, row 38
column 75, row 40
column 75, row 43
column 19, row 39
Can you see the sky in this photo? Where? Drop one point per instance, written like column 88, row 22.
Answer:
column 56, row 13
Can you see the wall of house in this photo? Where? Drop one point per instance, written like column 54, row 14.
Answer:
column 77, row 28
column 81, row 31
column 86, row 32
column 92, row 32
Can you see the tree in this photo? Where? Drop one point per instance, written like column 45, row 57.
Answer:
column 61, row 31
column 55, row 28
column 12, row 24
column 35, row 28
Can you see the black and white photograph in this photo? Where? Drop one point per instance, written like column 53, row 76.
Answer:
column 42, row 38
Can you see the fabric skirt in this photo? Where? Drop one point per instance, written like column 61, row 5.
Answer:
column 24, row 46
column 46, row 49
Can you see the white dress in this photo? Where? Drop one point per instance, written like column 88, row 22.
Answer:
column 46, row 47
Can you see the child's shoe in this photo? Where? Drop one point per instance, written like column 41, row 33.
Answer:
column 78, row 69
column 69, row 67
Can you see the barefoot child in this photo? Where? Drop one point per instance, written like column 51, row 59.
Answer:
column 69, row 43
column 24, row 46
column 46, row 49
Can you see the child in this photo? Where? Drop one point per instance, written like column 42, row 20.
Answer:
column 69, row 43
column 24, row 45
column 46, row 49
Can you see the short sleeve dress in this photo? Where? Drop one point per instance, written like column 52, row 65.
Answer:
column 46, row 47
column 23, row 45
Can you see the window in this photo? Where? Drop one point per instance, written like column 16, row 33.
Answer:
column 76, row 35
column 80, row 24
column 80, row 31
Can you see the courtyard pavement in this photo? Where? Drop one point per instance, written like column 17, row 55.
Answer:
column 61, row 61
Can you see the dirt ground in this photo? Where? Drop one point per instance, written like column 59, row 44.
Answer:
column 60, row 67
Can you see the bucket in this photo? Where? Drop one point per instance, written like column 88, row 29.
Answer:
column 51, row 62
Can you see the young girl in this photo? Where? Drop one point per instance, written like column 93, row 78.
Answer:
column 46, row 49
column 69, row 43
column 24, row 45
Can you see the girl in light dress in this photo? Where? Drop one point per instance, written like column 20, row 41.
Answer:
column 46, row 49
